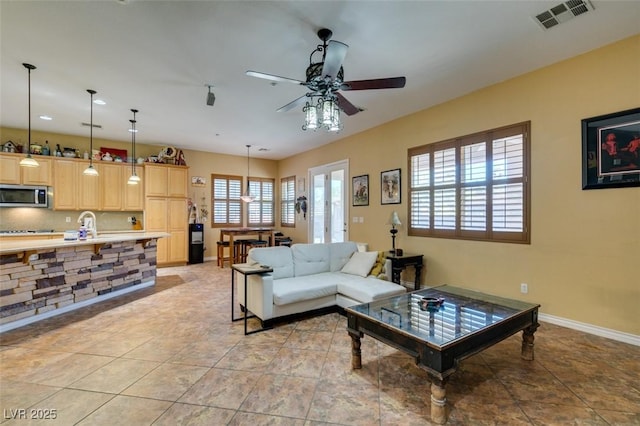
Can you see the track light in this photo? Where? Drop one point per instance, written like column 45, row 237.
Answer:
column 211, row 98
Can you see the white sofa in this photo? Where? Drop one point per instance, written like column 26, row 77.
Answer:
column 309, row 277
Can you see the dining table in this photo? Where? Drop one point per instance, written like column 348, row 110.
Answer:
column 232, row 233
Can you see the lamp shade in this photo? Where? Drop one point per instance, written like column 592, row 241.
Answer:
column 394, row 219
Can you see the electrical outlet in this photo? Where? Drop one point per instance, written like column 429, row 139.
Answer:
column 68, row 219
column 129, row 219
column 355, row 219
column 361, row 219
column 524, row 288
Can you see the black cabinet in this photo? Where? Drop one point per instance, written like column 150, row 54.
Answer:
column 196, row 243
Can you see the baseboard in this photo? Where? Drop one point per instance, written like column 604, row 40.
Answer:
column 35, row 318
column 592, row 329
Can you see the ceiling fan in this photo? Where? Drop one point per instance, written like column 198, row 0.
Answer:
column 326, row 78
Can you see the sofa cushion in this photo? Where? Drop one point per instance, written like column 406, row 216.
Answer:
column 279, row 258
column 360, row 263
column 369, row 289
column 310, row 259
column 296, row 289
column 341, row 253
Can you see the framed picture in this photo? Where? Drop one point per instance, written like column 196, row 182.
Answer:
column 198, row 181
column 360, row 190
column 390, row 187
column 611, row 150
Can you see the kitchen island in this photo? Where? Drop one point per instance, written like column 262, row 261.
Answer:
column 40, row 278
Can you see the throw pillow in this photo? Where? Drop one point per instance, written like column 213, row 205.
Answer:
column 360, row 263
column 378, row 267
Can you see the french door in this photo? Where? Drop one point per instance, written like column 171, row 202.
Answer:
column 328, row 206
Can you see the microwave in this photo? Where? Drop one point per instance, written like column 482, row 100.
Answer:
column 23, row 196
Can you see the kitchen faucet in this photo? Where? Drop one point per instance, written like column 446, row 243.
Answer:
column 91, row 223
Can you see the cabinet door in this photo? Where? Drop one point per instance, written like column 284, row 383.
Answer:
column 156, row 216
column 155, row 180
column 10, row 169
column 177, row 181
column 41, row 175
column 112, row 186
column 134, row 194
column 89, row 187
column 65, row 185
column 177, row 227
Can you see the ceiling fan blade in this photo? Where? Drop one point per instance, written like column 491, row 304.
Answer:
column 346, row 106
column 298, row 102
column 334, row 56
column 380, row 83
column 273, row 77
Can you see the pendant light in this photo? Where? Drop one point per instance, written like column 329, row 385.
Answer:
column 247, row 197
column 134, row 178
column 29, row 161
column 91, row 171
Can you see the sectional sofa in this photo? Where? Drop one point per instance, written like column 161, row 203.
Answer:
column 311, row 277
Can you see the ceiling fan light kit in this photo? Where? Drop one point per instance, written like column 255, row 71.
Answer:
column 323, row 103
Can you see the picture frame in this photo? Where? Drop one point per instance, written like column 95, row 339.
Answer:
column 360, row 190
column 198, row 181
column 390, row 187
column 611, row 150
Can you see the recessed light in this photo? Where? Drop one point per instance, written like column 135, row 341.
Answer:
column 99, row 102
column 46, row 117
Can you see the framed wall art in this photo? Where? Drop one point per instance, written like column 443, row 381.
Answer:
column 198, row 181
column 611, row 150
column 390, row 187
column 360, row 190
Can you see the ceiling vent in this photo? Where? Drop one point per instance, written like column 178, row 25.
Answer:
column 97, row 126
column 562, row 13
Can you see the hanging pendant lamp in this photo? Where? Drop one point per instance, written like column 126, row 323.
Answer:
column 247, row 197
column 91, row 171
column 134, row 178
column 29, row 161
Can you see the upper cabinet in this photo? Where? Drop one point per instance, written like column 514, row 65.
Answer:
column 12, row 173
column 166, row 180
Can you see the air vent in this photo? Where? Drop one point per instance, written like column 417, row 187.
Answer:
column 562, row 13
column 97, row 126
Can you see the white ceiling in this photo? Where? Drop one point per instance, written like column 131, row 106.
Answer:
column 158, row 56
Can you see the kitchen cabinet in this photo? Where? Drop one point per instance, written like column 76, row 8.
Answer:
column 71, row 189
column 112, row 185
column 41, row 175
column 12, row 173
column 166, row 180
column 166, row 210
column 108, row 191
column 133, row 194
column 65, row 185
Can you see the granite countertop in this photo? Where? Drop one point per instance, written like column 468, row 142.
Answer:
column 10, row 245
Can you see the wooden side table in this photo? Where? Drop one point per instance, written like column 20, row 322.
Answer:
column 400, row 262
column 246, row 270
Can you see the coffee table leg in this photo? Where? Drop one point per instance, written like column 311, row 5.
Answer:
column 438, row 401
column 527, row 342
column 356, row 354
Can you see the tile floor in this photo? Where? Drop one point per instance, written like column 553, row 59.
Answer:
column 170, row 355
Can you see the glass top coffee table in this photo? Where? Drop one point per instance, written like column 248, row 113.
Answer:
column 440, row 326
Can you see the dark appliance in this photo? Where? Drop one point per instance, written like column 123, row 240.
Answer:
column 196, row 243
column 23, row 196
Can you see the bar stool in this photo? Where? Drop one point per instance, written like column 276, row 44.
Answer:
column 247, row 245
column 233, row 252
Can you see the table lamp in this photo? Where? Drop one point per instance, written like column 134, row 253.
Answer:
column 394, row 221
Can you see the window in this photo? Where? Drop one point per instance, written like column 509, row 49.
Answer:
column 475, row 187
column 225, row 200
column 261, row 210
column 287, row 202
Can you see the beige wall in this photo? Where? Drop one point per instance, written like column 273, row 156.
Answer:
column 582, row 263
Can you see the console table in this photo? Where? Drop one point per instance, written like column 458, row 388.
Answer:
column 246, row 270
column 400, row 262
